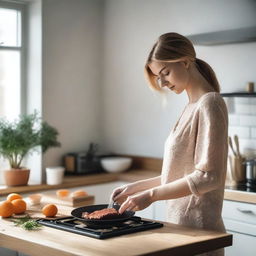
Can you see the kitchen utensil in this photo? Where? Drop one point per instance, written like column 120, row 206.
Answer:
column 231, row 145
column 111, row 203
column 237, row 145
column 91, row 208
column 237, row 169
column 116, row 164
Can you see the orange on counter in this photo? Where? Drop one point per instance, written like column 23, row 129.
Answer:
column 78, row 193
column 19, row 206
column 13, row 196
column 50, row 210
column 6, row 209
column 62, row 192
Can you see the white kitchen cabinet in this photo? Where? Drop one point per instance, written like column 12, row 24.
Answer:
column 240, row 220
column 7, row 252
column 160, row 210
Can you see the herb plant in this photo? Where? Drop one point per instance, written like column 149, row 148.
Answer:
column 23, row 136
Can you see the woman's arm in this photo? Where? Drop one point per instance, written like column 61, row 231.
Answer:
column 147, row 183
column 175, row 189
column 120, row 194
column 142, row 200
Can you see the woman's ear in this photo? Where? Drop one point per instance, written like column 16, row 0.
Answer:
column 185, row 63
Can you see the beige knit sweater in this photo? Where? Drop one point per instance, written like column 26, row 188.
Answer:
column 196, row 149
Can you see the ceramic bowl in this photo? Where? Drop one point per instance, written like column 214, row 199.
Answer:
column 116, row 164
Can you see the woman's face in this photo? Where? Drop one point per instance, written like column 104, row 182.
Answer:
column 174, row 75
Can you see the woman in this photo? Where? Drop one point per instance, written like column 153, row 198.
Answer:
column 194, row 164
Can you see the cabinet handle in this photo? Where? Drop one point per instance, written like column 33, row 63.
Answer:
column 245, row 211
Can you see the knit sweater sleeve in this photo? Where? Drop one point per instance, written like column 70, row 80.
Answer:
column 211, row 147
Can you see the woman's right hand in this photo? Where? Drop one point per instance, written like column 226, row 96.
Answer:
column 120, row 194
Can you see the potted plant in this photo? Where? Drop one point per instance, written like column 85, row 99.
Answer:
column 21, row 137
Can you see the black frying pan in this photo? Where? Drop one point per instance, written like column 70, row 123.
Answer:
column 91, row 208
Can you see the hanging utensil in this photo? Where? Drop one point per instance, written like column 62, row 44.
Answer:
column 231, row 145
column 237, row 145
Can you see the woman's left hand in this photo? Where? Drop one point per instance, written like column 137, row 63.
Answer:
column 137, row 201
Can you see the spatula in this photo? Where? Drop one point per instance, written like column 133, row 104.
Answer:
column 237, row 145
column 111, row 203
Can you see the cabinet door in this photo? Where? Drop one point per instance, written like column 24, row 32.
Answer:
column 242, row 245
column 7, row 252
column 160, row 210
column 243, row 212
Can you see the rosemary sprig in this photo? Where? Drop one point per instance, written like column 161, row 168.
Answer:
column 27, row 223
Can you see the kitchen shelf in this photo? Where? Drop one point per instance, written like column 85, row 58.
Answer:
column 231, row 36
column 239, row 94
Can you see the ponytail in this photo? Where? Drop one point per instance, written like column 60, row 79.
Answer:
column 208, row 73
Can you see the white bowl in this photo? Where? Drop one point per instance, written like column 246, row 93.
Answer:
column 116, row 164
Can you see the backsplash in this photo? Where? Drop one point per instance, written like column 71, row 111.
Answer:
column 242, row 121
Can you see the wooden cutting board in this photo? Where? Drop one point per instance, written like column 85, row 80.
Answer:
column 51, row 197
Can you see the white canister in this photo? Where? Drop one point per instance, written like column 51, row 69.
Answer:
column 54, row 175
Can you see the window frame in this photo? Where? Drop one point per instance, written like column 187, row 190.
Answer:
column 22, row 7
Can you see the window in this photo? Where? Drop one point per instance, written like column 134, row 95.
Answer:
column 12, row 59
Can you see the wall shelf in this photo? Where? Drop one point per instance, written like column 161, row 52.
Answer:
column 231, row 36
column 239, row 94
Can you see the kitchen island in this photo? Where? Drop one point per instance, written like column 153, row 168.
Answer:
column 171, row 239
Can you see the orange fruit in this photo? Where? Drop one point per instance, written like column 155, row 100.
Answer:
column 13, row 196
column 78, row 193
column 6, row 209
column 19, row 206
column 50, row 210
column 62, row 192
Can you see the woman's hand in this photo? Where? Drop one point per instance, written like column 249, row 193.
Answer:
column 137, row 202
column 120, row 194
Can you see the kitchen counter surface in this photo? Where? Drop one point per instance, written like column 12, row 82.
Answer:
column 129, row 176
column 171, row 239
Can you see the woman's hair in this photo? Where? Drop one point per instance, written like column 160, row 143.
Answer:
column 173, row 47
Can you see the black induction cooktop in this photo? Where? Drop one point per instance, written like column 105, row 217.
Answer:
column 73, row 225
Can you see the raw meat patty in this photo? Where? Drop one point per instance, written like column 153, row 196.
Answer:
column 103, row 214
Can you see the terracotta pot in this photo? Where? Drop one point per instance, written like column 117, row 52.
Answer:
column 17, row 177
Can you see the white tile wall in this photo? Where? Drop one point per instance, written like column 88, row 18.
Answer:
column 253, row 133
column 242, row 121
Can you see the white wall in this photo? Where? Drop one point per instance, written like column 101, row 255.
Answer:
column 72, row 53
column 133, row 119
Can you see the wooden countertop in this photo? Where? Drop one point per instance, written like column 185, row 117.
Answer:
column 171, row 239
column 129, row 176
